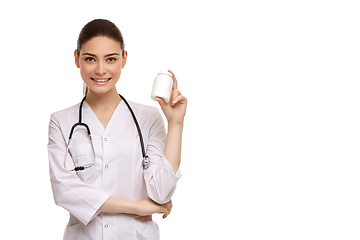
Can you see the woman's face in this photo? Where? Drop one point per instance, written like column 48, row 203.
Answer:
column 100, row 62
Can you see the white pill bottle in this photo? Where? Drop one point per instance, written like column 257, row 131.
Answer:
column 162, row 86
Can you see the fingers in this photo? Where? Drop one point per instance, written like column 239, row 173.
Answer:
column 180, row 98
column 165, row 211
column 160, row 101
column 168, row 207
column 175, row 83
column 176, row 97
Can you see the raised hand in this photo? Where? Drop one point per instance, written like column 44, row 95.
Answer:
column 175, row 109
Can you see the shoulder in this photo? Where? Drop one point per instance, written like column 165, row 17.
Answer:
column 145, row 113
column 65, row 113
column 143, row 109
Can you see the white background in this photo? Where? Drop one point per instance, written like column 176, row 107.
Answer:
column 271, row 138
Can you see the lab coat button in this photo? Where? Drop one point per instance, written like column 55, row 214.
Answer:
column 105, row 139
column 106, row 166
column 105, row 226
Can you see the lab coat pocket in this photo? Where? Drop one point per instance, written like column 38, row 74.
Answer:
column 83, row 155
column 72, row 232
column 146, row 229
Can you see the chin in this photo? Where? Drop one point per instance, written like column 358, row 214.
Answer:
column 101, row 91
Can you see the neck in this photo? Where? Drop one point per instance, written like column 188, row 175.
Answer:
column 103, row 100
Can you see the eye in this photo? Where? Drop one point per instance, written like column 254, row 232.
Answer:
column 90, row 59
column 111, row 59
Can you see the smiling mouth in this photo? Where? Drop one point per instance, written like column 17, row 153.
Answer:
column 100, row 80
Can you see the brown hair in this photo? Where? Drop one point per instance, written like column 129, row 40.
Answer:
column 99, row 28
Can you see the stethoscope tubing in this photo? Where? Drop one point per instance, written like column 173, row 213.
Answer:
column 80, row 123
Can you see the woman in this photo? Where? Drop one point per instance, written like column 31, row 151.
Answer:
column 115, row 197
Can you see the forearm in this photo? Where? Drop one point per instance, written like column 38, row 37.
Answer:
column 173, row 145
column 143, row 207
column 117, row 205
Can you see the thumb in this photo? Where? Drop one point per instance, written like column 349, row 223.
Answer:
column 161, row 102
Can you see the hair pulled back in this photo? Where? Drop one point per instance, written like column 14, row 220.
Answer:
column 100, row 28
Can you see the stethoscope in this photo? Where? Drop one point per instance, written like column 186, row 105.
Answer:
column 146, row 160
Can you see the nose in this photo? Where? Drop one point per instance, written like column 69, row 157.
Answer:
column 100, row 69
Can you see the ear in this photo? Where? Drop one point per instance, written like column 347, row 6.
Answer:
column 76, row 59
column 124, row 59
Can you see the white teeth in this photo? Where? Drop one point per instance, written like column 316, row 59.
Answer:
column 101, row 80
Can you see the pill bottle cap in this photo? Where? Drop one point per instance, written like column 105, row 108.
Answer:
column 165, row 72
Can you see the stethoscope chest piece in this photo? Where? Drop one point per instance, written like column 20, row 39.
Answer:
column 146, row 162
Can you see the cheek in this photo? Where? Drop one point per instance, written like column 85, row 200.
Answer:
column 84, row 69
column 115, row 69
column 85, row 75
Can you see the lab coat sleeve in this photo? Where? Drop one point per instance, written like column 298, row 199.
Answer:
column 160, row 179
column 80, row 199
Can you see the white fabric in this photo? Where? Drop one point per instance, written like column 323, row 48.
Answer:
column 117, row 172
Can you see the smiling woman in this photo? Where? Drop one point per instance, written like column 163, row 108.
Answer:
column 115, row 196
column 100, row 31
column 100, row 61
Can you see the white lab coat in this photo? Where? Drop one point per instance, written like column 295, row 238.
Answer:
column 117, row 172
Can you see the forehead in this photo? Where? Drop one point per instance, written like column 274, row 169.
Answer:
column 101, row 46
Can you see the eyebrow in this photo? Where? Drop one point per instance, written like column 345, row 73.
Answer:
column 107, row 55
